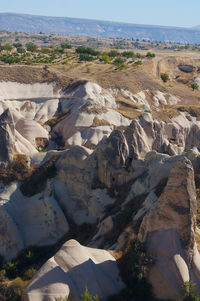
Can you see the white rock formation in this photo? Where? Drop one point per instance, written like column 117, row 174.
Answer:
column 71, row 270
column 28, row 221
column 168, row 230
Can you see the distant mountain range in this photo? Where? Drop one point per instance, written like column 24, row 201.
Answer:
column 105, row 29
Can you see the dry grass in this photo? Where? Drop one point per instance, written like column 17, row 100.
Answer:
column 128, row 108
column 128, row 112
column 55, row 119
column 99, row 122
column 17, row 170
column 194, row 110
column 165, row 113
column 36, row 181
column 91, row 109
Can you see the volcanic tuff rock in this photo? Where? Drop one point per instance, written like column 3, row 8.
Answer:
column 87, row 113
column 130, row 165
column 7, row 137
column 170, row 237
column 72, row 269
column 111, row 159
column 28, row 221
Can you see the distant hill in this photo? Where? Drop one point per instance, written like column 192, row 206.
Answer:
column 196, row 27
column 104, row 29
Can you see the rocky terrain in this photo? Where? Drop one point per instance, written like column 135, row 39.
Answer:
column 104, row 174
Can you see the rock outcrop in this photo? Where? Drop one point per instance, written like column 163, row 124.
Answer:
column 7, row 137
column 28, row 221
column 111, row 157
column 168, row 230
column 71, row 270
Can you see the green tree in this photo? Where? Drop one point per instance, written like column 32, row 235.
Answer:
column 188, row 292
column 66, row 46
column 128, row 54
column 7, row 47
column 31, row 47
column 106, row 58
column 150, row 55
column 87, row 50
column 164, row 77
column 194, row 86
column 113, row 53
column 21, row 50
column 85, row 57
column 88, row 297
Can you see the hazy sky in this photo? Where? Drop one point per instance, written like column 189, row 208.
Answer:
column 159, row 12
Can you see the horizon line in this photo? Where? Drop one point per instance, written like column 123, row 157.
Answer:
column 98, row 20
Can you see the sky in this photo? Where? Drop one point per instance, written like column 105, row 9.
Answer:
column 181, row 13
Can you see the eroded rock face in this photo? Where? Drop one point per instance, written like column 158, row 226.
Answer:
column 72, row 269
column 7, row 137
column 168, row 229
column 111, row 157
column 145, row 154
column 28, row 221
column 146, row 134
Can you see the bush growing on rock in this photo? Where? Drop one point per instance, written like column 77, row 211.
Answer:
column 88, row 297
column 134, row 267
column 188, row 292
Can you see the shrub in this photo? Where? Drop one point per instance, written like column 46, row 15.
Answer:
column 12, row 291
column 128, row 54
column 66, row 46
column 88, row 297
column 36, row 182
column 194, row 86
column 20, row 50
column 118, row 61
column 150, row 55
column 134, row 267
column 7, row 47
column 16, row 45
column 87, row 50
column 17, row 170
column 188, row 292
column 9, row 59
column 85, row 57
column 164, row 77
column 113, row 53
column 105, row 58
column 31, row 47
column 29, row 273
column 138, row 56
column 138, row 63
column 45, row 50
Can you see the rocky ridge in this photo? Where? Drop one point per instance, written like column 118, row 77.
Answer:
column 142, row 166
